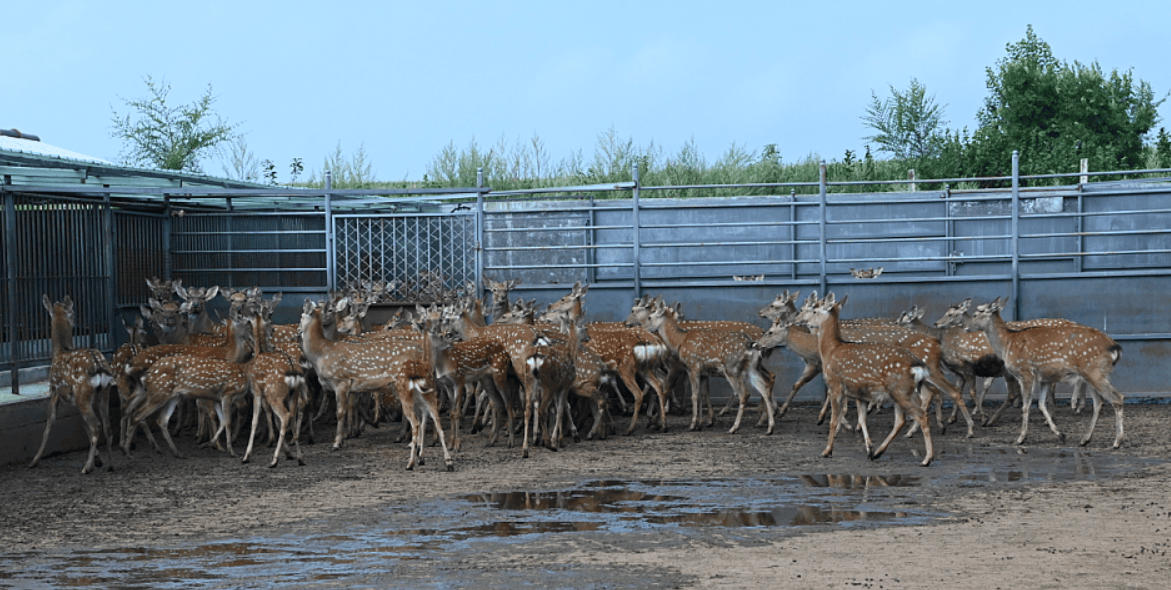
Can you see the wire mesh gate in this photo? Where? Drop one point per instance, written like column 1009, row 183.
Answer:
column 417, row 251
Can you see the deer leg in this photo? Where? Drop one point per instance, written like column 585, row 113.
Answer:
column 740, row 392
column 811, row 370
column 1027, row 385
column 1043, row 404
column 93, row 430
column 764, row 385
column 342, row 395
column 631, row 383
column 257, row 401
column 862, row 426
column 1101, row 388
column 957, row 398
column 695, row 394
column 835, row 401
column 163, row 422
column 52, row 417
column 430, row 404
column 1014, row 392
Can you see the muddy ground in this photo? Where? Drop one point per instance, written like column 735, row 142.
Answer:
column 742, row 511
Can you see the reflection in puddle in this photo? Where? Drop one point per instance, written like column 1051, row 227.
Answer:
column 375, row 552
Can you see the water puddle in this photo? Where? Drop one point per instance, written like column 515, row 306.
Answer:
column 386, row 548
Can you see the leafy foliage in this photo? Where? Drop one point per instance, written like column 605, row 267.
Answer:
column 170, row 137
column 1056, row 113
column 908, row 125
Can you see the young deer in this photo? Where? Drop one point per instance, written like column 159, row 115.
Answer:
column 630, row 353
column 957, row 317
column 375, row 367
column 80, row 377
column 705, row 351
column 214, row 380
column 1050, row 354
column 499, row 291
column 277, row 382
column 867, row 372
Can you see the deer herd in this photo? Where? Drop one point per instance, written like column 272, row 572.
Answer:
column 550, row 371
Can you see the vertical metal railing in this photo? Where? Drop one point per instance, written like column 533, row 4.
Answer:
column 636, row 224
column 1016, row 236
column 12, row 338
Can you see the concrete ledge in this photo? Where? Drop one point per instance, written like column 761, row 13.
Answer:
column 22, row 423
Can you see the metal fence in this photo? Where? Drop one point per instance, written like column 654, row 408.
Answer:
column 1095, row 252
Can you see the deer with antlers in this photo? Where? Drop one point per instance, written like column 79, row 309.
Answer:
column 867, row 372
column 81, row 377
column 1041, row 354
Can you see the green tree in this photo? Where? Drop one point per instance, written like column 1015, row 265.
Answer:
column 908, row 125
column 169, row 137
column 1057, row 113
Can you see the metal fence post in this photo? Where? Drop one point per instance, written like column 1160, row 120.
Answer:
column 10, row 283
column 479, row 231
column 821, row 224
column 635, row 223
column 1016, row 235
column 330, row 246
column 111, row 271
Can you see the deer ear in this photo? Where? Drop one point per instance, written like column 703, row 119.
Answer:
column 47, row 303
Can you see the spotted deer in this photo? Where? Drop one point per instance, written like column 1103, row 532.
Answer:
column 966, row 354
column 499, row 291
column 213, row 380
column 867, row 372
column 1054, row 353
column 957, row 318
column 477, row 360
column 77, row 376
column 730, row 354
column 277, row 382
column 195, row 301
column 404, row 369
column 631, row 353
column 639, row 315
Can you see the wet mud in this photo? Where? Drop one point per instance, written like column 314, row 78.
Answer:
column 653, row 510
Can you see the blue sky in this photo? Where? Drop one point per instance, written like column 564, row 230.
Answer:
column 404, row 79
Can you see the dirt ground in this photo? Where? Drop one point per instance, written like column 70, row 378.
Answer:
column 1105, row 528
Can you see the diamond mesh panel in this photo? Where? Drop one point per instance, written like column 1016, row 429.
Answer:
column 416, row 251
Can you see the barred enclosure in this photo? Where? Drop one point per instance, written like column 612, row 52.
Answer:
column 1094, row 252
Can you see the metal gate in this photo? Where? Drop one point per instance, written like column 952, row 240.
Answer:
column 418, row 251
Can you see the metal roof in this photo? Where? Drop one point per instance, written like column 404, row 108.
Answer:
column 39, row 148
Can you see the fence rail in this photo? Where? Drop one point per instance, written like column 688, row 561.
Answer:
column 1093, row 252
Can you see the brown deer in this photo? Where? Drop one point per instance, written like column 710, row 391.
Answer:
column 81, row 377
column 867, row 372
column 499, row 291
column 277, row 382
column 375, row 367
column 630, row 353
column 1050, row 354
column 213, row 380
column 730, row 354
column 957, row 317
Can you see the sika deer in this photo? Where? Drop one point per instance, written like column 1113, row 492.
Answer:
column 702, row 351
column 867, row 372
column 375, row 367
column 629, row 353
column 214, row 380
column 81, row 377
column 1054, row 353
column 277, row 382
